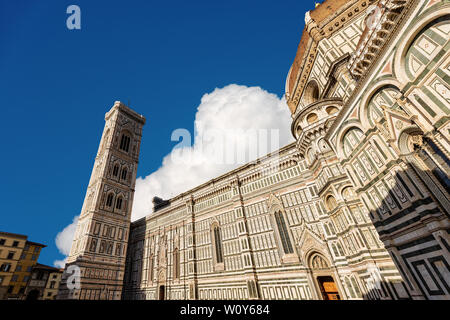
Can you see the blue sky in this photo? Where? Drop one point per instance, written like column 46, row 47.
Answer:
column 160, row 57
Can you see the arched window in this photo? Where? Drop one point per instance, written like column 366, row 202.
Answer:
column 109, row 200
column 331, row 203
column 283, row 232
column 312, row 117
column 124, row 173
column 150, row 268
column 351, row 140
column 218, row 244
column 318, row 262
column 116, row 170
column 125, row 142
column 176, row 264
column 348, row 193
column 331, row 110
column 119, row 203
column 311, row 94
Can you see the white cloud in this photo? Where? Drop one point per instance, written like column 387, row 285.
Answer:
column 231, row 111
column 228, row 110
column 63, row 241
column 60, row 263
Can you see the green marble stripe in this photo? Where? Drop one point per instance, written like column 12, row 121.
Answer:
column 425, row 106
column 441, row 74
column 435, row 99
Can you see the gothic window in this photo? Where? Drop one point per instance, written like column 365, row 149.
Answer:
column 109, row 200
column 176, row 264
column 283, row 232
column 124, row 174
column 150, row 269
column 119, row 203
column 116, row 170
column 125, row 142
column 218, row 244
column 318, row 262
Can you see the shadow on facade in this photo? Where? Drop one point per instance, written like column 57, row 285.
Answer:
column 413, row 202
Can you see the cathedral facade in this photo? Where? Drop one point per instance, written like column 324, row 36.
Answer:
column 356, row 208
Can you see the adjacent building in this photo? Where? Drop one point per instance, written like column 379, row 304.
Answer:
column 44, row 283
column 356, row 208
column 28, row 259
column 11, row 247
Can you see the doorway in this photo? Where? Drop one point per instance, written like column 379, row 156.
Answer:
column 33, row 295
column 162, row 290
column 328, row 288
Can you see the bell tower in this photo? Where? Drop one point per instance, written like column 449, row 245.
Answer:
column 100, row 242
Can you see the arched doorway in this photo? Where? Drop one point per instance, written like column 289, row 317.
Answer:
column 162, row 291
column 322, row 274
column 33, row 295
column 328, row 288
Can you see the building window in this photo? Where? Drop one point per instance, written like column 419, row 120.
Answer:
column 1, row 279
column 176, row 264
column 15, row 243
column 109, row 200
column 150, row 275
column 119, row 203
column 19, row 268
column 26, row 247
column 14, row 278
column 49, row 294
column 25, row 279
column 125, row 142
column 2, row 242
column 23, row 256
column 218, row 244
column 22, row 290
column 36, row 249
column 34, row 257
column 52, row 284
column 283, row 232
column 5, row 267
column 10, row 255
column 10, row 289
column 29, row 269
column 124, row 173
column 116, row 170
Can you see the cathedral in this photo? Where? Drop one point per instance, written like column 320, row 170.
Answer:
column 356, row 208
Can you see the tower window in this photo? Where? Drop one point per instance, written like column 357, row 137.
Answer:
column 218, row 243
column 119, row 203
column 283, row 232
column 116, row 170
column 109, row 200
column 124, row 173
column 125, row 142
